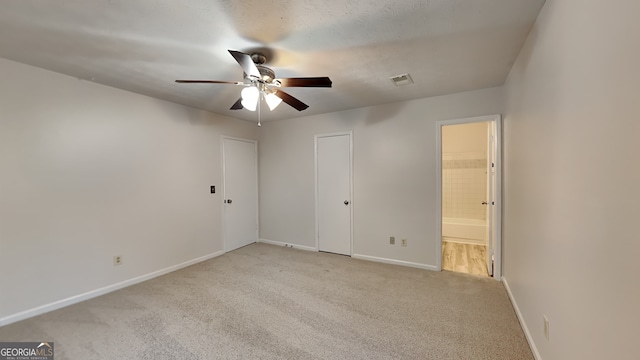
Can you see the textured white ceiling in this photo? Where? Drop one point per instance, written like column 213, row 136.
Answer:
column 447, row 46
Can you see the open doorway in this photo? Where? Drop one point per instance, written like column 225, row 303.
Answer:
column 468, row 154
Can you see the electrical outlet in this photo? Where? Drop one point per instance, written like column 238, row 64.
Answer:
column 392, row 240
column 404, row 242
column 546, row 326
column 117, row 260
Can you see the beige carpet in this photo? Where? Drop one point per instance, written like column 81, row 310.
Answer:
column 270, row 302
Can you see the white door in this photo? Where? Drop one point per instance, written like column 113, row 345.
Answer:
column 333, row 192
column 491, row 199
column 240, row 172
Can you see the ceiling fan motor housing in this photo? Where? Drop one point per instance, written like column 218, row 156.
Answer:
column 267, row 75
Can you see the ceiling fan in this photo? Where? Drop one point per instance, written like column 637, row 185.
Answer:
column 260, row 82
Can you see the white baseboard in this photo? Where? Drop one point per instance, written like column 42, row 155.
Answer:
column 355, row 256
column 295, row 246
column 101, row 291
column 395, row 262
column 527, row 333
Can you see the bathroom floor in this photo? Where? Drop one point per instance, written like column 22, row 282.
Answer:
column 464, row 258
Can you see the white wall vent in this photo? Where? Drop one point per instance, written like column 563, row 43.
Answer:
column 401, row 80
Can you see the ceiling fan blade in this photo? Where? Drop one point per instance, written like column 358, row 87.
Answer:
column 209, row 82
column 306, row 82
column 295, row 103
column 237, row 105
column 246, row 63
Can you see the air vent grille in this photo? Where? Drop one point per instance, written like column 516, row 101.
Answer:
column 401, row 80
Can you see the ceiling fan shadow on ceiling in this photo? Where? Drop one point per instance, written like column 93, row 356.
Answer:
column 260, row 83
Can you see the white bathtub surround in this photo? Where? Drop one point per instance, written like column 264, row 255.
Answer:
column 464, row 231
column 464, row 185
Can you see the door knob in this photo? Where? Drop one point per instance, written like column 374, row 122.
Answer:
column 228, row 201
column 484, row 203
column 346, row 202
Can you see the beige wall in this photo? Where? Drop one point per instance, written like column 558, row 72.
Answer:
column 571, row 134
column 394, row 173
column 465, row 138
column 89, row 172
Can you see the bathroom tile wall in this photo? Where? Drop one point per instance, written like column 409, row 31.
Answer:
column 464, row 185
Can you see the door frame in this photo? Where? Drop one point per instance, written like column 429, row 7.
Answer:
column 224, row 188
column 497, row 228
column 315, row 151
column 491, row 187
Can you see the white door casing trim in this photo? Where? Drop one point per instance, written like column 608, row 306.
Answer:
column 497, row 119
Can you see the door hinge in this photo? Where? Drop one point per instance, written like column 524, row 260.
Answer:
column 493, row 165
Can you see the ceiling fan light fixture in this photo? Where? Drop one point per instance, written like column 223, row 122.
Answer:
column 250, row 96
column 272, row 101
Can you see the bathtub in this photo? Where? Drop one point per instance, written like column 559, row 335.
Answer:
column 470, row 231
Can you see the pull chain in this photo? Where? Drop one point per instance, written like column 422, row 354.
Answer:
column 259, row 106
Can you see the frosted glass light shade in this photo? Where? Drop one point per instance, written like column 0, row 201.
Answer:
column 272, row 100
column 250, row 96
